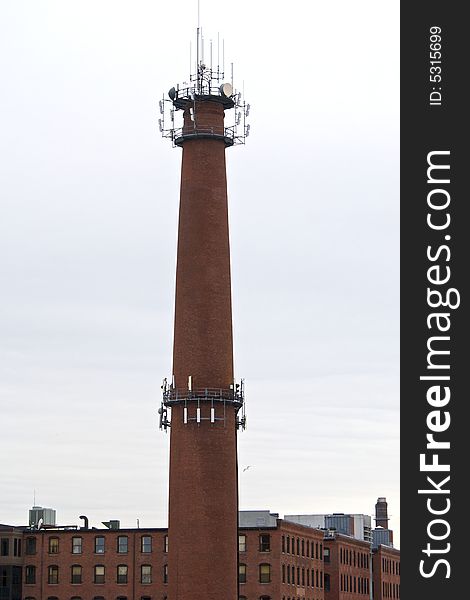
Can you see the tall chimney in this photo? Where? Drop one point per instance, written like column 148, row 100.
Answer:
column 381, row 513
column 203, row 396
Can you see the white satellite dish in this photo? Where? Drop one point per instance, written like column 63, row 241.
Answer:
column 226, row 90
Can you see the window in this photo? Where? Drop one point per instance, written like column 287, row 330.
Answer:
column 265, row 598
column 98, row 597
column 76, row 545
column 122, row 574
column 145, row 598
column 99, row 574
column 165, row 544
column 241, row 597
column 298, row 547
column 283, row 544
column 52, row 598
column 264, row 542
column 122, row 544
column 30, row 574
column 31, row 545
column 327, row 582
column 4, row 547
column 146, row 544
column 303, row 548
column 146, row 574
column 53, row 574
column 99, row 544
column 241, row 573
column 326, row 555
column 283, row 573
column 17, row 547
column 121, row 598
column 242, row 543
column 288, row 545
column 76, row 574
column 165, row 573
column 53, row 545
column 264, row 573
column 76, row 598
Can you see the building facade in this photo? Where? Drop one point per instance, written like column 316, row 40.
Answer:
column 277, row 560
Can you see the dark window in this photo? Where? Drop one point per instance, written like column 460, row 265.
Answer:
column 98, row 597
column 283, row 544
column 53, row 574
column 242, row 543
column 121, row 598
column 30, row 598
column 165, row 544
column 122, row 574
column 146, row 544
column 99, row 573
column 31, row 545
column 17, row 547
column 76, row 598
column 321, row 551
column 145, row 598
column 288, row 545
column 327, row 582
column 264, row 542
column 265, row 598
column 76, row 576
column 298, row 547
column 303, row 548
column 264, row 573
column 283, row 573
column 99, row 544
column 122, row 544
column 30, row 574
column 146, row 574
column 326, row 555
column 53, row 545
column 241, row 573
column 76, row 545
column 5, row 547
column 165, row 573
column 52, row 598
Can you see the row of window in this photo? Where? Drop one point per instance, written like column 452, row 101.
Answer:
column 353, row 558
column 391, row 566
column 99, row 572
column 94, row 598
column 5, row 547
column 122, row 544
column 390, row 590
column 264, row 543
column 305, row 577
column 264, row 573
column 354, row 585
column 301, row 547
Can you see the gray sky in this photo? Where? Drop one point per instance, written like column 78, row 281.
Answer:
column 88, row 224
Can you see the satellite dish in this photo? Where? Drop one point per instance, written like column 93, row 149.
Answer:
column 172, row 93
column 226, row 90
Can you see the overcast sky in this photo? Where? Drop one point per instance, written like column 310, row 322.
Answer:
column 88, row 226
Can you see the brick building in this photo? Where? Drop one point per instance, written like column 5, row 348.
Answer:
column 347, row 567
column 277, row 560
column 282, row 560
column 386, row 573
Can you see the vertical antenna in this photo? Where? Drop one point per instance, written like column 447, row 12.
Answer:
column 223, row 58
column 231, row 67
column 218, row 57
column 190, row 60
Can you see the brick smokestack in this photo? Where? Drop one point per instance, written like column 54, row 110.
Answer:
column 381, row 513
column 203, row 494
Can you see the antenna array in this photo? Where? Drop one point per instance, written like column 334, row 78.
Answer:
column 206, row 82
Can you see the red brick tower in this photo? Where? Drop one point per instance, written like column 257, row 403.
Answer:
column 203, row 396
